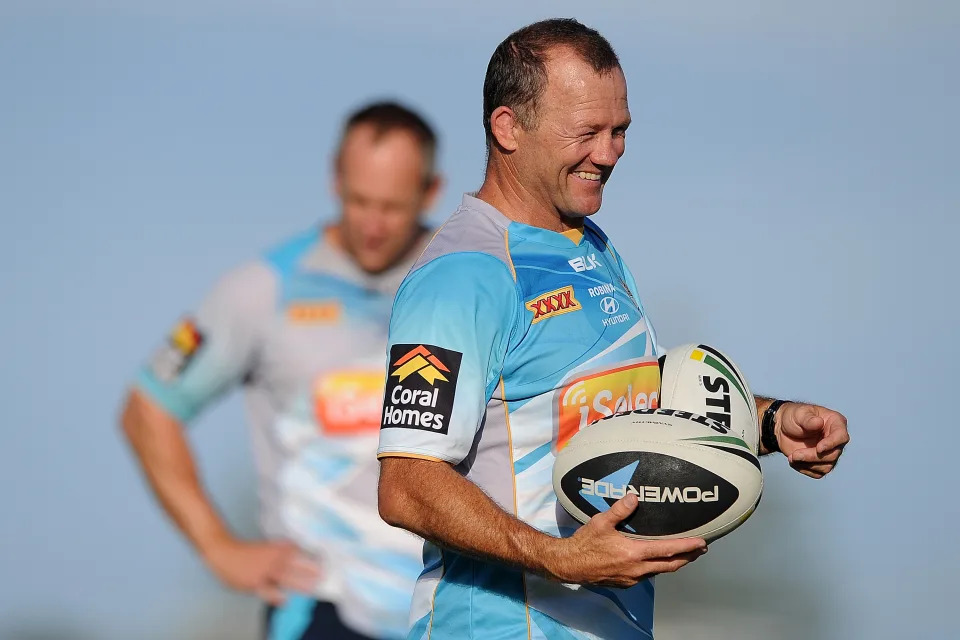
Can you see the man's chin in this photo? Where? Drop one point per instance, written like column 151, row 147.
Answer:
column 583, row 208
column 373, row 266
column 376, row 262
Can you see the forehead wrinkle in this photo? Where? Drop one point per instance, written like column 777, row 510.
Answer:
column 574, row 89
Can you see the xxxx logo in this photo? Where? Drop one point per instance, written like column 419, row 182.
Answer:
column 420, row 360
column 323, row 312
column 553, row 303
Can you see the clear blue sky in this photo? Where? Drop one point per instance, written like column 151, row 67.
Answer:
column 790, row 193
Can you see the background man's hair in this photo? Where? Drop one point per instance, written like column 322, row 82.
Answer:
column 386, row 117
column 517, row 72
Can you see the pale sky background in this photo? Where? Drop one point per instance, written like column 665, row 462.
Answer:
column 790, row 193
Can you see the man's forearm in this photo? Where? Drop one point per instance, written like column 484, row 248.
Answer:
column 168, row 464
column 444, row 507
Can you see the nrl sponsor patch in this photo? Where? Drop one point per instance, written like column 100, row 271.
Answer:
column 420, row 389
column 553, row 303
column 182, row 345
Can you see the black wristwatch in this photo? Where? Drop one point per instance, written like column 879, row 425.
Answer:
column 767, row 435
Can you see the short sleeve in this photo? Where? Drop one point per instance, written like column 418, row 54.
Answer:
column 209, row 352
column 449, row 334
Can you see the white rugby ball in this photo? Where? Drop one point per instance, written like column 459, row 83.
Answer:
column 703, row 380
column 692, row 476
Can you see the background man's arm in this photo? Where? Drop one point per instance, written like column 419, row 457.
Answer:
column 205, row 357
column 159, row 442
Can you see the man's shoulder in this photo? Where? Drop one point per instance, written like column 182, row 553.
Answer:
column 468, row 235
column 255, row 282
column 284, row 256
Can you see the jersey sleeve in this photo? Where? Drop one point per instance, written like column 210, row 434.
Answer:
column 214, row 349
column 449, row 333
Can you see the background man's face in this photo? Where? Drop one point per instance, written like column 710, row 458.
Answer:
column 578, row 135
column 383, row 190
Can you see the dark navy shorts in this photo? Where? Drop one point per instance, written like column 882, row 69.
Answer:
column 301, row 618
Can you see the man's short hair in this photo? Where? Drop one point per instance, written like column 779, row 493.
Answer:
column 517, row 73
column 387, row 117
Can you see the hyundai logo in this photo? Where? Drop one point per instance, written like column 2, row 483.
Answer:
column 609, row 305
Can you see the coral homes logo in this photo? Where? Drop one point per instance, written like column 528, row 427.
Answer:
column 421, row 387
column 420, row 360
column 553, row 303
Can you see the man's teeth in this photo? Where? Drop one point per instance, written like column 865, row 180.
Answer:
column 587, row 176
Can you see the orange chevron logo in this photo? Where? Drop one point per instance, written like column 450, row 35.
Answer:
column 420, row 360
column 553, row 304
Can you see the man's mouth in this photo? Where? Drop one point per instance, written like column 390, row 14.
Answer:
column 586, row 175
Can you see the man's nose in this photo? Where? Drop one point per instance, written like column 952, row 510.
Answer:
column 607, row 150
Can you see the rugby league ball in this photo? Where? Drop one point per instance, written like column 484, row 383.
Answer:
column 701, row 379
column 692, row 476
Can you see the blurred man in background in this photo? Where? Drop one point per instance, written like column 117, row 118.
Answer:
column 303, row 330
column 492, row 336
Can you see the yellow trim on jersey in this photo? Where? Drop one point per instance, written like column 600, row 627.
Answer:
column 516, row 508
column 429, row 242
column 433, row 598
column 403, row 454
column 506, row 246
column 576, row 235
column 506, row 416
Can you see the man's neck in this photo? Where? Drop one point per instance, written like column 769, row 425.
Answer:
column 333, row 235
column 503, row 190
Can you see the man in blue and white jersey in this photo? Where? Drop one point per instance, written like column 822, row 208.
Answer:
column 518, row 326
column 302, row 331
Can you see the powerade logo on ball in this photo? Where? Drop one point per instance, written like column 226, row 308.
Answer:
column 420, row 387
column 675, row 495
column 647, row 494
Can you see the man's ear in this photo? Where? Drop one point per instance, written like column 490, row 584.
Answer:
column 432, row 192
column 504, row 127
column 335, row 183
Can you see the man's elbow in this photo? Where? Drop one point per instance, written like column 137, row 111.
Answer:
column 129, row 415
column 392, row 498
column 142, row 420
column 390, row 511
